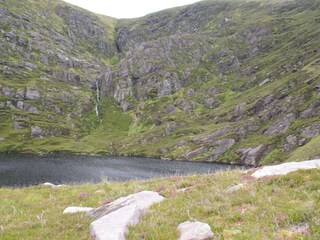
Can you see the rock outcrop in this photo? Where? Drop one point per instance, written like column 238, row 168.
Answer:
column 231, row 89
column 251, row 156
column 285, row 168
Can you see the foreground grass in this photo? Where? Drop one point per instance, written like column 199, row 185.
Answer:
column 268, row 208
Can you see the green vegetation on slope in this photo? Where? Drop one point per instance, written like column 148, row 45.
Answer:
column 227, row 81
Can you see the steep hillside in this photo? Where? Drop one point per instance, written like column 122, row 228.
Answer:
column 232, row 81
column 52, row 55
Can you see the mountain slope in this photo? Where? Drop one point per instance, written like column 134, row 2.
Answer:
column 231, row 81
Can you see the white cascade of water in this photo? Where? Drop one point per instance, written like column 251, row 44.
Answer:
column 97, row 98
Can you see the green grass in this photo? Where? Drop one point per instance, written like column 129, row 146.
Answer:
column 291, row 42
column 263, row 209
column 309, row 151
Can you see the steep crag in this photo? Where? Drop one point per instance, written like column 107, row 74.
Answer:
column 231, row 81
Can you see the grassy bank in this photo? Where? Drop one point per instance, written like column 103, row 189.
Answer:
column 285, row 207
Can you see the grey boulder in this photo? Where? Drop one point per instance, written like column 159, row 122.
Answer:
column 195, row 231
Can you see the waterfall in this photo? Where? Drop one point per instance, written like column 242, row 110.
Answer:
column 97, row 98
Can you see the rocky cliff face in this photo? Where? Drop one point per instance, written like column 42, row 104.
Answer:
column 51, row 57
column 225, row 81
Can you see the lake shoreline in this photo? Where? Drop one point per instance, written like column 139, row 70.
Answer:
column 125, row 155
column 32, row 169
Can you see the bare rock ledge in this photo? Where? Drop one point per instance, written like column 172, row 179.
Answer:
column 285, row 168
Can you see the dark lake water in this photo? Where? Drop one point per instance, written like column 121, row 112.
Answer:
column 26, row 169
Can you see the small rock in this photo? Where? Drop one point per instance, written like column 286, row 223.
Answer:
column 170, row 109
column 18, row 125
column 36, row 132
column 126, row 106
column 264, row 82
column 235, row 188
column 291, row 142
column 184, row 189
column 190, row 93
column 211, row 103
column 185, row 105
column 76, row 209
column 285, row 168
column 32, row 94
column 30, row 66
column 212, row 90
column 170, row 128
column 53, row 185
column 195, row 231
column 7, row 91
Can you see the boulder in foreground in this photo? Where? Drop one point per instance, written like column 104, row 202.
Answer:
column 195, row 231
column 113, row 219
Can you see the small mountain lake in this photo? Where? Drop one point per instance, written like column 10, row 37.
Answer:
column 27, row 169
